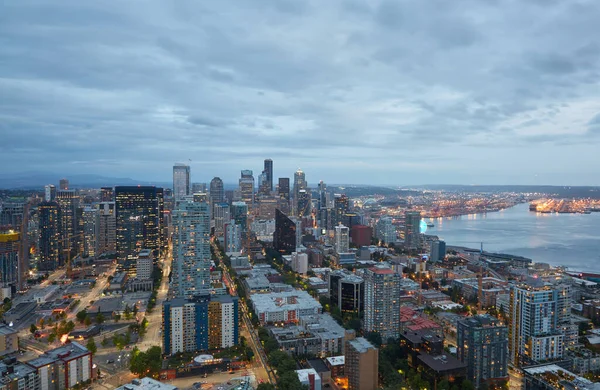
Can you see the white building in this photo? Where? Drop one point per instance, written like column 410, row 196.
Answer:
column 233, row 237
column 191, row 249
column 221, row 216
column 342, row 239
column 300, row 262
column 385, row 230
column 285, row 306
column 309, row 377
column 144, row 264
column 146, row 384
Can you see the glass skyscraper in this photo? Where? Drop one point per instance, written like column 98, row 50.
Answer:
column 181, row 180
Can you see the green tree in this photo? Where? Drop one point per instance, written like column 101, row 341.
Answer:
column 99, row 318
column 91, row 346
column 443, row 385
column 265, row 386
column 117, row 317
column 52, row 337
column 375, row 339
column 104, row 342
column 127, row 313
column 81, row 316
column 33, row 328
column 87, row 321
column 467, row 385
column 289, row 381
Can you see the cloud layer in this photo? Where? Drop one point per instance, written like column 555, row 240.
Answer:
column 381, row 92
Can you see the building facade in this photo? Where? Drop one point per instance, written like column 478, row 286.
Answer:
column 382, row 302
column 181, row 181
column 412, row 230
column 49, row 244
column 362, row 365
column 284, row 238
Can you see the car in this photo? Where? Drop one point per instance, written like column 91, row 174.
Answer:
column 110, row 361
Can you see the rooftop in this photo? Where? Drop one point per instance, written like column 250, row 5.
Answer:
column 146, row 384
column 303, row 374
column 361, row 344
column 336, row 360
column 443, row 362
column 290, row 300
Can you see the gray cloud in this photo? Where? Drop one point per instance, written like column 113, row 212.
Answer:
column 428, row 91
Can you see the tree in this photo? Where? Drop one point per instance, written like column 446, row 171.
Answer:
column 99, row 318
column 117, row 317
column 467, row 385
column 91, row 346
column 289, row 381
column 82, row 315
column 52, row 337
column 265, row 386
column 87, row 321
column 127, row 313
column 443, row 385
column 104, row 342
column 375, row 339
column 33, row 328
column 42, row 323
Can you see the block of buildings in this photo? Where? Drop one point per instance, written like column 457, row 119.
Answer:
column 284, row 307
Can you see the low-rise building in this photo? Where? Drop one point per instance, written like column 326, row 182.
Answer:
column 491, row 288
column 15, row 375
column 310, row 378
column 63, row 367
column 284, row 307
column 9, row 340
column 436, row 368
column 146, row 384
column 552, row 376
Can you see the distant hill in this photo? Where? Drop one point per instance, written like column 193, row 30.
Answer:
column 39, row 180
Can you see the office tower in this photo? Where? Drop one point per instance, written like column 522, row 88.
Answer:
column 535, row 317
column 200, row 197
column 382, row 302
column 63, row 184
column 49, row 192
column 144, row 264
column 347, row 291
column 216, row 194
column 322, row 195
column 90, row 231
column 303, row 203
column 266, row 206
column 10, row 245
column 284, row 238
column 283, row 188
column 482, row 343
column 222, row 215
column 341, row 206
column 361, row 235
column 268, row 170
column 70, row 233
column 138, row 222
column 263, row 185
column 233, row 237
column 198, row 187
column 247, row 188
column 438, row 251
column 12, row 212
column 223, row 329
column 185, row 325
column 181, row 180
column 191, row 249
column 49, row 245
column 107, row 194
column 412, row 230
column 239, row 213
column 163, row 231
column 385, row 231
column 106, row 225
column 299, row 184
column 362, row 364
column 342, row 239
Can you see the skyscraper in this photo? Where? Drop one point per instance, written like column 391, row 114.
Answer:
column 138, row 220
column 385, row 230
column 107, row 194
column 68, row 202
column 341, row 206
column 90, row 230
column 185, row 325
column 239, row 213
column 438, row 250
column 222, row 322
column 191, row 249
column 216, row 194
column 303, row 204
column 347, row 291
column 181, row 180
column 10, row 242
column 299, row 184
column 221, row 216
column 534, row 329
column 49, row 245
column 49, row 192
column 63, row 184
column 482, row 343
column 284, row 238
column 412, row 230
column 342, row 239
column 382, row 302
column 268, row 170
column 233, row 237
column 106, row 225
column 284, row 188
column 247, row 188
column 198, row 187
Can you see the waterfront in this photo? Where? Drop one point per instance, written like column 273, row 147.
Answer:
column 571, row 240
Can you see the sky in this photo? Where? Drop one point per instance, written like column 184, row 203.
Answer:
column 355, row 92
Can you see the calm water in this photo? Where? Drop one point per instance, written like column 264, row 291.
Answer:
column 571, row 240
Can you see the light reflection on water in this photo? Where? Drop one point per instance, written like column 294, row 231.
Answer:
column 571, row 240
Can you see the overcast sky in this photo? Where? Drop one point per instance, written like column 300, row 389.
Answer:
column 365, row 92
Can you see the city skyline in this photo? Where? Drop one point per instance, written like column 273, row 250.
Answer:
column 351, row 92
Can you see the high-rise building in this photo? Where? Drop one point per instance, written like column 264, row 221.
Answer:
column 138, row 220
column 341, row 206
column 221, row 216
column 191, row 249
column 412, row 230
column 185, row 325
column 266, row 206
column 342, row 239
column 347, row 291
column 144, row 264
column 303, row 203
column 239, row 213
column 438, row 251
column 10, row 243
column 534, row 330
column 181, row 180
column 482, row 343
column 382, row 302
column 233, row 237
column 68, row 201
column 299, row 184
column 49, row 192
column 216, row 194
column 247, row 188
column 283, row 188
column 385, row 230
column 361, row 235
column 63, row 184
column 222, row 322
column 361, row 364
column 268, row 170
column 284, row 238
column 49, row 245
column 90, row 230
column 107, row 194
column 106, row 225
